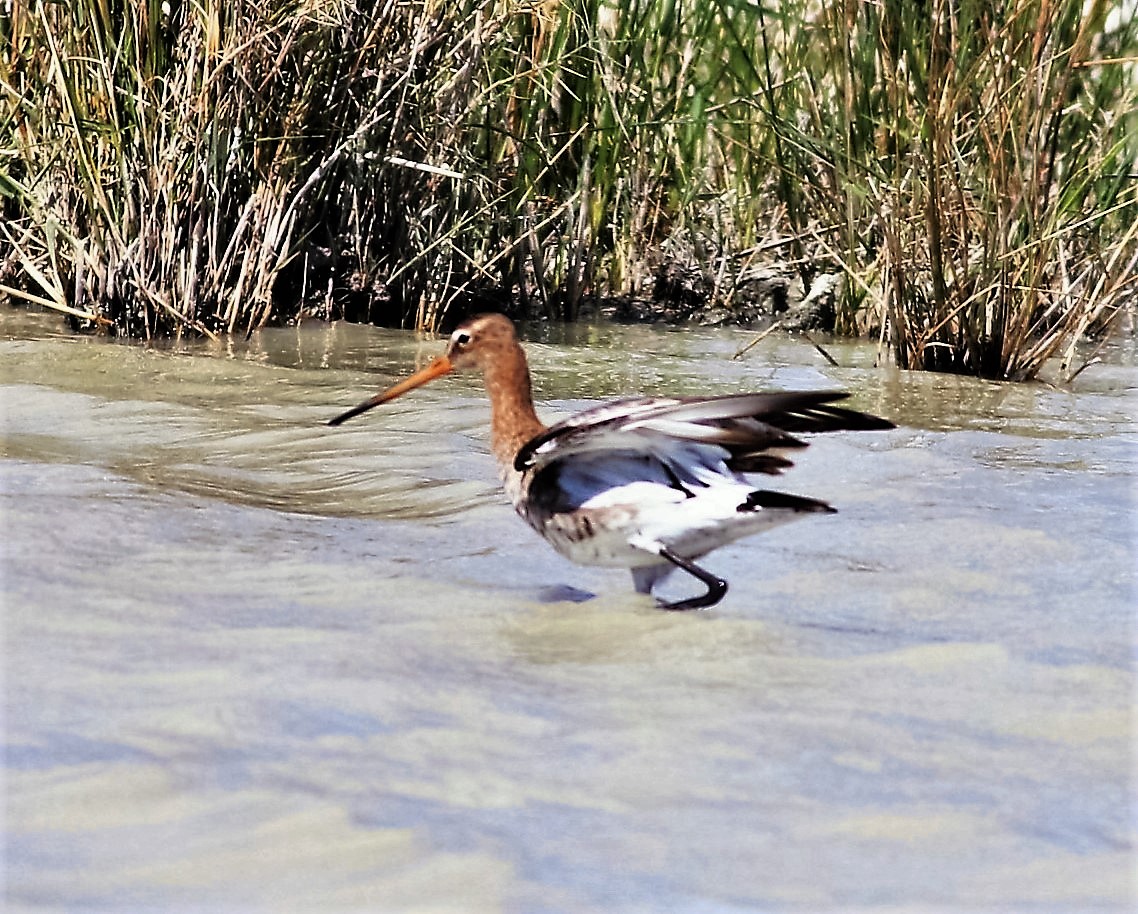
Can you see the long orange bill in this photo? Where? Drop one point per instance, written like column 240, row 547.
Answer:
column 440, row 366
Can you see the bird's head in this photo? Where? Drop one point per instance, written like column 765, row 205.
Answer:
column 472, row 345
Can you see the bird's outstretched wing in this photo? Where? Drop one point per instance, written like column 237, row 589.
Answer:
column 746, row 426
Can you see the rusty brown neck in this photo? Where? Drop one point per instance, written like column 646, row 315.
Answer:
column 512, row 418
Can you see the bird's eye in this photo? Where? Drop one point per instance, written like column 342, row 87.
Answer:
column 461, row 338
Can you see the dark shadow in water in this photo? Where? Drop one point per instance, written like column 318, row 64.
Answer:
column 563, row 593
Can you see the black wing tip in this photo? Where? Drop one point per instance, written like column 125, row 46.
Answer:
column 801, row 410
column 758, row 462
column 764, row 498
column 821, row 417
column 866, row 422
column 870, row 422
column 853, row 420
column 818, row 402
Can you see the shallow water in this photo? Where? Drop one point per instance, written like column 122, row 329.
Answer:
column 255, row 663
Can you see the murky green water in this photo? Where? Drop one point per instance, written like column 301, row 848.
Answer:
column 254, row 663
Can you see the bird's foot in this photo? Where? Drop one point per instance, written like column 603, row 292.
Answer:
column 716, row 587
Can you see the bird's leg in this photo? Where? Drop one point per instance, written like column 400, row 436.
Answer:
column 716, row 587
column 645, row 577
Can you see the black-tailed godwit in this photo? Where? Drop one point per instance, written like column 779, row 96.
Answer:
column 647, row 483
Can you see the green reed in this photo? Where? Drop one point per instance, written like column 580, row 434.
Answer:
column 977, row 172
column 219, row 166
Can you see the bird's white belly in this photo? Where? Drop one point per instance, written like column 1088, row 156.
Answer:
column 621, row 535
column 596, row 539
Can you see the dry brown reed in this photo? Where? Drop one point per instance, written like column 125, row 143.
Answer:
column 215, row 167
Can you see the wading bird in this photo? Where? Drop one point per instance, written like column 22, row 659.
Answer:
column 647, row 483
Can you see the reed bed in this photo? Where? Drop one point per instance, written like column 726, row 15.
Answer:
column 213, row 167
